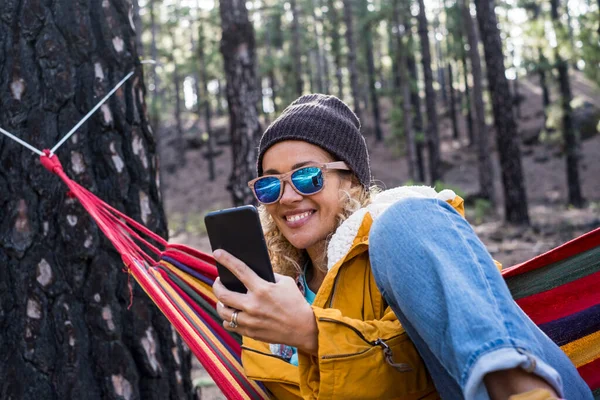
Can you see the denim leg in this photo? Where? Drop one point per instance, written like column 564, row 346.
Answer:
column 454, row 304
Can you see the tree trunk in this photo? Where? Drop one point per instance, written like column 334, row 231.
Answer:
column 237, row 47
column 271, row 73
column 204, row 95
column 404, row 89
column 569, row 134
column 371, row 73
column 415, row 101
column 485, row 165
column 507, row 140
column 296, row 50
column 431, row 134
column 139, row 27
column 155, row 96
column 336, row 46
column 452, row 102
column 469, row 117
column 319, row 54
column 66, row 329
column 220, row 99
column 542, row 65
column 352, row 56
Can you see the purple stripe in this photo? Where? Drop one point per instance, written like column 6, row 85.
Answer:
column 574, row 326
column 188, row 270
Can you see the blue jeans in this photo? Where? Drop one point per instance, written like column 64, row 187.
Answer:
column 446, row 291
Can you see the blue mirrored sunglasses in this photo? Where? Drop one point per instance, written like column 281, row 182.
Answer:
column 305, row 180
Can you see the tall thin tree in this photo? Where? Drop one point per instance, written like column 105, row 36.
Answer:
column 569, row 133
column 432, row 131
column 296, row 49
column 368, row 40
column 336, row 46
column 67, row 329
column 507, row 140
column 243, row 91
column 352, row 68
column 485, row 165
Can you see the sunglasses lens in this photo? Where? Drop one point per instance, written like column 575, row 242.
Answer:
column 267, row 189
column 308, row 180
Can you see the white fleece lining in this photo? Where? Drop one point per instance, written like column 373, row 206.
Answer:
column 342, row 239
column 507, row 358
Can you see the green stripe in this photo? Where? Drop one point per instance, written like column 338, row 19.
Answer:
column 554, row 275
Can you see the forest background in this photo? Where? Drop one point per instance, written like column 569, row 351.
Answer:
column 499, row 102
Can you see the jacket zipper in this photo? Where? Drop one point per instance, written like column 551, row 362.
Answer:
column 387, row 351
column 264, row 354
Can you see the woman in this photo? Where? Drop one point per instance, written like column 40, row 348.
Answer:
column 383, row 312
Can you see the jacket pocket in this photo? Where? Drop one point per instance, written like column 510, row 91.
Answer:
column 387, row 368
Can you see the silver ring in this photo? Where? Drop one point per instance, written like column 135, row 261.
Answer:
column 233, row 323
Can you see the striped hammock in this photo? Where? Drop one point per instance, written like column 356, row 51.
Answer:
column 556, row 289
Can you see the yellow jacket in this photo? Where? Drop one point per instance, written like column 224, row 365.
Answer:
column 359, row 335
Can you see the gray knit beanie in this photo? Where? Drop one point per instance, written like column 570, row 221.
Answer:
column 324, row 121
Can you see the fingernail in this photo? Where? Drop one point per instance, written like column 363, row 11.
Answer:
column 217, row 253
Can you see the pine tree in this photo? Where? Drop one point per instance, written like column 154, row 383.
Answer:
column 237, row 47
column 515, row 198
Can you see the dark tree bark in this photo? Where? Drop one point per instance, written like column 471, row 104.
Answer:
column 452, row 101
column 243, row 92
column 220, row 100
column 469, row 116
column 352, row 56
column 368, row 36
column 271, row 73
column 177, row 84
column 156, row 92
column 139, row 27
column 320, row 78
column 507, row 140
column 66, row 331
column 569, row 134
column 403, row 88
column 432, row 132
column 296, row 49
column 336, row 46
column 415, row 101
column 204, row 102
column 542, row 65
column 485, row 165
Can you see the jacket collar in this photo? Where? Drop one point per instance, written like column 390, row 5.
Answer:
column 345, row 236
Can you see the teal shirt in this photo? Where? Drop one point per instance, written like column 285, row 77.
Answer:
column 309, row 295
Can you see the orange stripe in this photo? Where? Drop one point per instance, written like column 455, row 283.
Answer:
column 583, row 351
column 224, row 352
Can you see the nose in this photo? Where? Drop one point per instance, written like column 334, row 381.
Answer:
column 289, row 195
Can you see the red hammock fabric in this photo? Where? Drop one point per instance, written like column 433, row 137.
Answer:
column 156, row 265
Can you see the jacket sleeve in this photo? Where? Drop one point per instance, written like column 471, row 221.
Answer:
column 352, row 357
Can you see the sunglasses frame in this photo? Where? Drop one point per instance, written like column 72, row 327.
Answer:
column 287, row 177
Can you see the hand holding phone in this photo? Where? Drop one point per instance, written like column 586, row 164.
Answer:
column 238, row 231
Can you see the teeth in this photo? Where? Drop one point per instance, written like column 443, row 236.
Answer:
column 298, row 216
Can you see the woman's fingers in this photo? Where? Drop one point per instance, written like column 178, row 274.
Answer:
column 228, row 297
column 248, row 277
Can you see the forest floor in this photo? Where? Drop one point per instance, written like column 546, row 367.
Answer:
column 189, row 195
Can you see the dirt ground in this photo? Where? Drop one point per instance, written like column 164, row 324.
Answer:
column 188, row 194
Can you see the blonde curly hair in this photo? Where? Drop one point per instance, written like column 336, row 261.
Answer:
column 288, row 260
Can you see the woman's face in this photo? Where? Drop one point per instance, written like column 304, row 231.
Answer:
column 305, row 221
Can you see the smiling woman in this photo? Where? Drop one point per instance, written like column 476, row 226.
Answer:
column 346, row 316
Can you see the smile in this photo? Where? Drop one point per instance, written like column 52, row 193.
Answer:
column 298, row 217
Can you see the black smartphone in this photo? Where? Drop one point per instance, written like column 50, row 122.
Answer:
column 239, row 232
